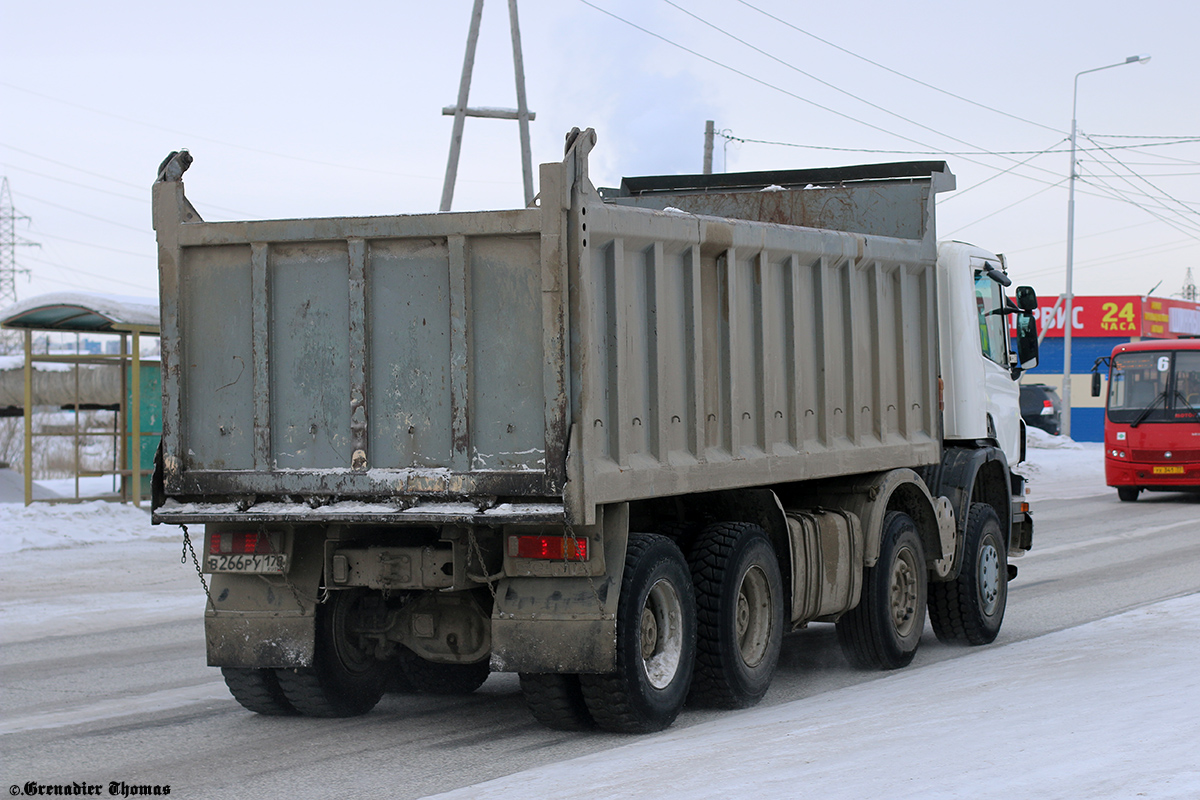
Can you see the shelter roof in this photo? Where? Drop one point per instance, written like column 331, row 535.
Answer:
column 82, row 312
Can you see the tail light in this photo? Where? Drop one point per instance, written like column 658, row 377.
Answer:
column 548, row 547
column 242, row 543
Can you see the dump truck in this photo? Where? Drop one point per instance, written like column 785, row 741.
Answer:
column 620, row 442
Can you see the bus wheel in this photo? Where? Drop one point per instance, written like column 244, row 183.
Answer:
column 884, row 629
column 656, row 642
column 970, row 608
column 1128, row 494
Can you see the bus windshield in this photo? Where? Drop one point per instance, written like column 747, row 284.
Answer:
column 1155, row 386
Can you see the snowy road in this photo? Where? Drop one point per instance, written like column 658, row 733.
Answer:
column 110, row 685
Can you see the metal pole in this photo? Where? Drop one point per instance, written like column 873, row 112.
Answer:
column 28, row 399
column 136, row 404
column 522, row 105
column 460, row 111
column 709, row 131
column 1066, row 395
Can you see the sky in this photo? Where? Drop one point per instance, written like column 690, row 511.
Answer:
column 315, row 109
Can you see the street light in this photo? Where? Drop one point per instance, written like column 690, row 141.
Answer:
column 1066, row 416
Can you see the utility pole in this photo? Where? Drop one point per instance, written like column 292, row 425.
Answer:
column 8, row 246
column 709, row 132
column 460, row 111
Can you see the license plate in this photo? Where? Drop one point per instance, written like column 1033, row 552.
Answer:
column 257, row 563
column 1168, row 470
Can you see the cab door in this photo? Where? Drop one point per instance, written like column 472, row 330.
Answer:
column 1003, row 393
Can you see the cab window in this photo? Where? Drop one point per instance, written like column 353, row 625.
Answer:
column 993, row 328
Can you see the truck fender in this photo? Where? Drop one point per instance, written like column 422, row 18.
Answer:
column 565, row 624
column 265, row 620
column 955, row 479
column 869, row 497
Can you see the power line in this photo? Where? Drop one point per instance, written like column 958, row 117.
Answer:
column 105, row 278
column 1097, row 148
column 897, row 72
column 1007, row 207
column 780, row 89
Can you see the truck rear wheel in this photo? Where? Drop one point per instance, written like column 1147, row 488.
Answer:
column 884, row 629
column 970, row 609
column 431, row 677
column 257, row 690
column 739, row 613
column 346, row 679
column 556, row 701
column 656, row 642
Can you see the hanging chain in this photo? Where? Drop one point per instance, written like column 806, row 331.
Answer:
column 187, row 548
column 482, row 565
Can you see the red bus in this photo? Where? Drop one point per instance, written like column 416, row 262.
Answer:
column 1151, row 421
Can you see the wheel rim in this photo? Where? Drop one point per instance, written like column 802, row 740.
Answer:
column 989, row 578
column 346, row 640
column 904, row 591
column 661, row 634
column 754, row 616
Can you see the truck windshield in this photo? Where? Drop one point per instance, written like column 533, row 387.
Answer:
column 1154, row 386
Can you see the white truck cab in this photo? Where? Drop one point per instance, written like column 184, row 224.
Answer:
column 979, row 366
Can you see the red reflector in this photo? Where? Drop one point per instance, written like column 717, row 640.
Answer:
column 554, row 548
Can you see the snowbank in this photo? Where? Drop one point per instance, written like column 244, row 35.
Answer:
column 1060, row 468
column 52, row 527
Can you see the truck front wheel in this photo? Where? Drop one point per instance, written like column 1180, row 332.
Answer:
column 970, row 609
column 656, row 642
column 346, row 679
column 1128, row 494
column 739, row 607
column 884, row 629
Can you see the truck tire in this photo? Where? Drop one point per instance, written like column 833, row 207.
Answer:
column 346, row 679
column 556, row 701
column 257, row 690
column 739, row 615
column 431, row 677
column 884, row 629
column 656, row 642
column 1128, row 494
column 970, row 608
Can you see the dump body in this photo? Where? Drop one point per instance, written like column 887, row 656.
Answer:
column 546, row 361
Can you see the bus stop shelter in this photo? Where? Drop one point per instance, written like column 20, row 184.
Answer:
column 139, row 402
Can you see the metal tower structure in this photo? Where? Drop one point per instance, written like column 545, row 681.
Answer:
column 460, row 111
column 8, row 246
column 1189, row 286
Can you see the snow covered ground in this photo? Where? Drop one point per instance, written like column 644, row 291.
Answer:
column 1107, row 709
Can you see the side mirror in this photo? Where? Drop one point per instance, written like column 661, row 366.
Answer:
column 1095, row 384
column 1026, row 298
column 1027, row 337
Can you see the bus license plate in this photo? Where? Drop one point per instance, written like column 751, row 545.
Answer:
column 273, row 563
column 1168, row 470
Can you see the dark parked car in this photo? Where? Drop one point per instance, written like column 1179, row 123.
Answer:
column 1041, row 407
